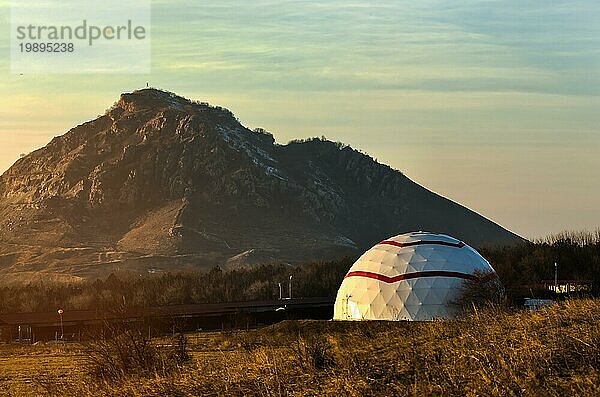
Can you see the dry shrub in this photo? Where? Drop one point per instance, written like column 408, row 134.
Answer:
column 312, row 351
column 483, row 291
column 125, row 349
column 180, row 353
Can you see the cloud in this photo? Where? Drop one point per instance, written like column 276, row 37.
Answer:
column 432, row 45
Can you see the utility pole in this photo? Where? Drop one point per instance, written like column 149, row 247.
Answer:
column 290, row 286
column 555, row 277
column 62, row 328
column 280, row 292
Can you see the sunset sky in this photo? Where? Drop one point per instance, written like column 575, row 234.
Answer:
column 493, row 104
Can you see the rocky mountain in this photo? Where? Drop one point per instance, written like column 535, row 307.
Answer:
column 162, row 182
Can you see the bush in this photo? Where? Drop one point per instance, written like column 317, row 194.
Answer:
column 312, row 352
column 125, row 349
column 484, row 290
column 180, row 351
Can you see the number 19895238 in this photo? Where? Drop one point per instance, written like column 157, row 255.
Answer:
column 47, row 47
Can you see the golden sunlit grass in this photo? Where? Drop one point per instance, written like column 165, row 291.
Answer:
column 555, row 351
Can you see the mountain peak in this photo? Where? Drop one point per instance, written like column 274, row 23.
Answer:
column 151, row 98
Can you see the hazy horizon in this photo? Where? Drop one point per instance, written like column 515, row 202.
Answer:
column 491, row 104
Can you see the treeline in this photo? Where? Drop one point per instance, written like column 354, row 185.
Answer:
column 215, row 286
column 521, row 269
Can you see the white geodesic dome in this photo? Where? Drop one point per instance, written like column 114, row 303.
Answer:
column 415, row 276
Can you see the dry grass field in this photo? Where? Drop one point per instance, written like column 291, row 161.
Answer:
column 551, row 352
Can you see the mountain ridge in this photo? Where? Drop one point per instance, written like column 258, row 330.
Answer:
column 161, row 181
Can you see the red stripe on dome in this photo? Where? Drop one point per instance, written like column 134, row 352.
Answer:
column 408, row 276
column 460, row 244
